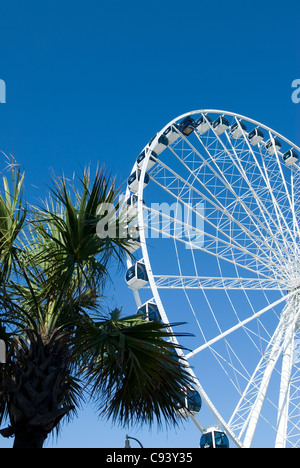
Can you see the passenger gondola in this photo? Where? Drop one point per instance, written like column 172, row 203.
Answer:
column 256, row 136
column 134, row 179
column 220, row 125
column 290, row 157
column 203, row 124
column 238, row 129
column 158, row 144
column 187, row 126
column 191, row 403
column 172, row 134
column 150, row 310
column 213, row 437
column 151, row 161
column 136, row 276
column 134, row 243
column 273, row 145
column 132, row 206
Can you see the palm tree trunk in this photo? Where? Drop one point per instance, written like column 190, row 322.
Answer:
column 36, row 389
column 29, row 440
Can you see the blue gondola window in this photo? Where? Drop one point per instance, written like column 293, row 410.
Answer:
column 194, row 401
column 207, row 440
column 221, row 440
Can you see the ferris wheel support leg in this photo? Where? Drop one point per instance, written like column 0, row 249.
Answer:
column 284, row 393
column 283, row 341
column 273, row 356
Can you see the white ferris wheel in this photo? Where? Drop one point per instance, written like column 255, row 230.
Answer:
column 217, row 200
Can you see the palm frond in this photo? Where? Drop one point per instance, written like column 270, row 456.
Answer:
column 66, row 229
column 12, row 219
column 132, row 371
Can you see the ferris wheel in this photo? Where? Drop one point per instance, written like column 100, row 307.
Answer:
column 217, row 200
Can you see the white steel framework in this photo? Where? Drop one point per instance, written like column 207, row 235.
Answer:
column 219, row 232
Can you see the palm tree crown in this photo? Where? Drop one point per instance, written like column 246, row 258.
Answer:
column 61, row 346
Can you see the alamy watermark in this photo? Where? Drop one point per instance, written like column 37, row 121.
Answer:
column 2, row 92
column 2, row 352
column 185, row 222
column 296, row 92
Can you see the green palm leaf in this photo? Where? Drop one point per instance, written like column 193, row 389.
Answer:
column 12, row 219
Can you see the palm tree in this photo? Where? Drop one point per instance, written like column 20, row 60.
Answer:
column 61, row 345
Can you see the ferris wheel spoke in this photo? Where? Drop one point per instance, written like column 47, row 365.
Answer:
column 237, row 326
column 216, row 283
column 193, row 238
column 238, row 200
column 275, row 201
column 296, row 196
column 256, row 243
column 235, row 160
column 281, row 218
column 237, row 261
column 219, row 174
column 185, row 204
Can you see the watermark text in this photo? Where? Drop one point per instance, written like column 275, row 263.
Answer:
column 296, row 92
column 2, row 92
column 184, row 222
column 2, row 352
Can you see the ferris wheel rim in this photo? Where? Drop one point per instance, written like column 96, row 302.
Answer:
column 145, row 254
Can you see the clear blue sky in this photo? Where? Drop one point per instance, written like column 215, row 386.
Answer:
column 92, row 81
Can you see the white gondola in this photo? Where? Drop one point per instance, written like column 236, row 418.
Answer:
column 290, row 157
column 172, row 134
column 150, row 310
column 133, row 180
column 158, row 144
column 213, row 437
column 272, row 145
column 134, row 243
column 255, row 136
column 238, row 129
column 203, row 124
column 132, row 205
column 191, row 404
column 220, row 125
column 136, row 276
column 187, row 126
column 141, row 158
